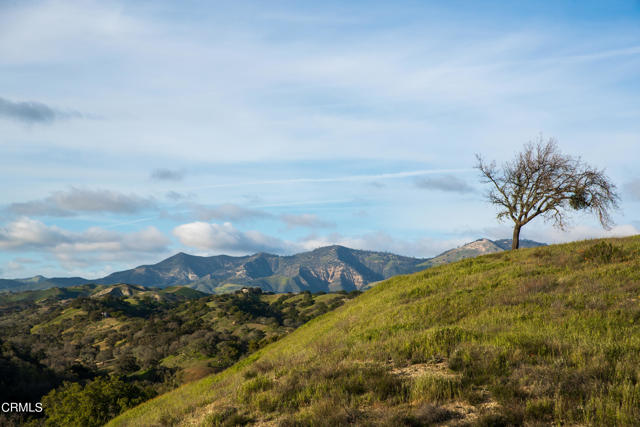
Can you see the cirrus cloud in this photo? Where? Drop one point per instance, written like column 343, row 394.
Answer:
column 227, row 212
column 448, row 183
column 304, row 220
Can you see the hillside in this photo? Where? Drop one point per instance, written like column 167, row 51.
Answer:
column 476, row 248
column 538, row 336
column 143, row 341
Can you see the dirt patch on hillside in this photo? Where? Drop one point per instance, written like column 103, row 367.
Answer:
column 462, row 412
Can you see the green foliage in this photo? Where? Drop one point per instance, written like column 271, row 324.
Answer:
column 91, row 405
column 604, row 252
column 154, row 343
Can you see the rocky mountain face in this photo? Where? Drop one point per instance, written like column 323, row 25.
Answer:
column 328, row 269
column 331, row 268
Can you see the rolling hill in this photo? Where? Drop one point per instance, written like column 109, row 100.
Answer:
column 133, row 292
column 540, row 336
column 69, row 345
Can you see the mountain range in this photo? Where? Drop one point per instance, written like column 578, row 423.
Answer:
column 328, row 269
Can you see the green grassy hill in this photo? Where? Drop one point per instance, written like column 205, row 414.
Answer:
column 535, row 337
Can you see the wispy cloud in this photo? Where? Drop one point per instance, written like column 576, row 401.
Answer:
column 601, row 54
column 337, row 179
column 164, row 174
column 79, row 200
column 33, row 112
column 227, row 212
column 304, row 220
column 448, row 183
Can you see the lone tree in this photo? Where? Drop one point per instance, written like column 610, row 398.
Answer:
column 543, row 181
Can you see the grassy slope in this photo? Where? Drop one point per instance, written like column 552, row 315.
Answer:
column 536, row 336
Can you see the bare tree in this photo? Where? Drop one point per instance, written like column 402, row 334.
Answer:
column 541, row 181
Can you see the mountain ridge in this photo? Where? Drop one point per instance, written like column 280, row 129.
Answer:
column 325, row 269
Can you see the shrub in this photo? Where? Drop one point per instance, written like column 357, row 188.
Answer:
column 91, row 405
column 604, row 253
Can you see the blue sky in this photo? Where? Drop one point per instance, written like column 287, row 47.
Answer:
column 133, row 130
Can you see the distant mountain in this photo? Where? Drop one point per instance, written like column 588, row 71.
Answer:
column 328, row 269
column 476, row 248
column 40, row 282
column 505, row 244
column 331, row 268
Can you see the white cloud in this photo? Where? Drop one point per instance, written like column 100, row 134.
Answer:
column 225, row 238
column 80, row 248
column 26, row 233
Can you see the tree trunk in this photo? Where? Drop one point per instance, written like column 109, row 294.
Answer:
column 515, row 243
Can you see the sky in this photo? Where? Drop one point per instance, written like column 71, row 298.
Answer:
column 132, row 130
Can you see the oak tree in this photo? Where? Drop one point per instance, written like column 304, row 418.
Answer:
column 541, row 181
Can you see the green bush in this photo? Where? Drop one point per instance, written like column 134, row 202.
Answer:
column 604, row 253
column 91, row 405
